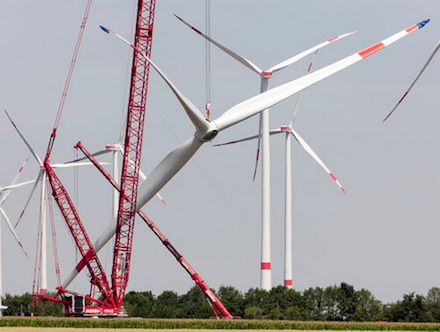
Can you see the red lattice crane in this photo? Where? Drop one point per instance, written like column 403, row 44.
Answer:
column 111, row 296
column 105, row 299
column 133, row 150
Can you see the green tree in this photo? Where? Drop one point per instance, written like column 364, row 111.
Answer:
column 433, row 303
column 412, row 308
column 256, row 297
column 18, row 305
column 167, row 305
column 368, row 308
column 348, row 301
column 253, row 313
column 280, row 298
column 139, row 304
column 314, row 303
column 194, row 304
column 232, row 299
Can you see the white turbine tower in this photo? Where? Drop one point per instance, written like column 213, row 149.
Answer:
column 206, row 130
column 4, row 194
column 265, row 75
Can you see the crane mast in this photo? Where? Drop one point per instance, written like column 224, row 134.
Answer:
column 110, row 301
column 132, row 150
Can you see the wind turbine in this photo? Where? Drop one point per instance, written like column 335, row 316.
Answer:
column 263, row 139
column 207, row 130
column 42, row 217
column 415, row 80
column 4, row 194
column 289, row 132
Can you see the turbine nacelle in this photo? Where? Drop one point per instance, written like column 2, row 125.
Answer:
column 209, row 134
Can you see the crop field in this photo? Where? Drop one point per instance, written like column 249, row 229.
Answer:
column 36, row 324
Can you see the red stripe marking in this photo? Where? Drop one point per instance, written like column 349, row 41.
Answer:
column 196, row 30
column 412, row 28
column 332, row 176
column 333, row 39
column 403, row 96
column 265, row 266
column 372, row 49
column 288, row 282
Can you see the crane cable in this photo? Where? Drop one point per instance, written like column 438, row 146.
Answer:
column 208, row 59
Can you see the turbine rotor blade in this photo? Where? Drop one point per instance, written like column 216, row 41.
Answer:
column 40, row 175
column 317, row 159
column 249, row 138
column 141, row 174
column 301, row 55
column 13, row 186
column 236, row 56
column 414, row 82
column 166, row 169
column 37, row 158
column 98, row 153
column 8, row 222
column 274, row 96
column 196, row 117
column 5, row 190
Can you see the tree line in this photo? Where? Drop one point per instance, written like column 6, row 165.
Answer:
column 333, row 303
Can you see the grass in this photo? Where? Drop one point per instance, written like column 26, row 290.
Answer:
column 172, row 324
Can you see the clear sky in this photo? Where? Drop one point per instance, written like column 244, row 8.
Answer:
column 382, row 235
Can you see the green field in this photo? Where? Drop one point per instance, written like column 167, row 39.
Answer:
column 34, row 323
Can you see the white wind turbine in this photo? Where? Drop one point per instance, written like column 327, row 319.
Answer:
column 263, row 138
column 288, row 133
column 4, row 194
column 42, row 176
column 206, row 130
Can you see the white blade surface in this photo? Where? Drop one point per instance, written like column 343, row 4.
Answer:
column 166, row 169
column 141, row 174
column 13, row 186
column 274, row 96
column 301, row 55
column 414, row 82
column 254, row 67
column 317, row 159
column 196, row 117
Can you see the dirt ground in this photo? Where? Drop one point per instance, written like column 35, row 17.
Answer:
column 58, row 329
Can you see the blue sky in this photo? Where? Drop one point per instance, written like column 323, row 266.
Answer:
column 381, row 236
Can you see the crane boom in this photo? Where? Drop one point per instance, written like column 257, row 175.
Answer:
column 132, row 150
column 82, row 240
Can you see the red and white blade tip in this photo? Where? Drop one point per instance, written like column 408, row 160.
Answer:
column 337, row 182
